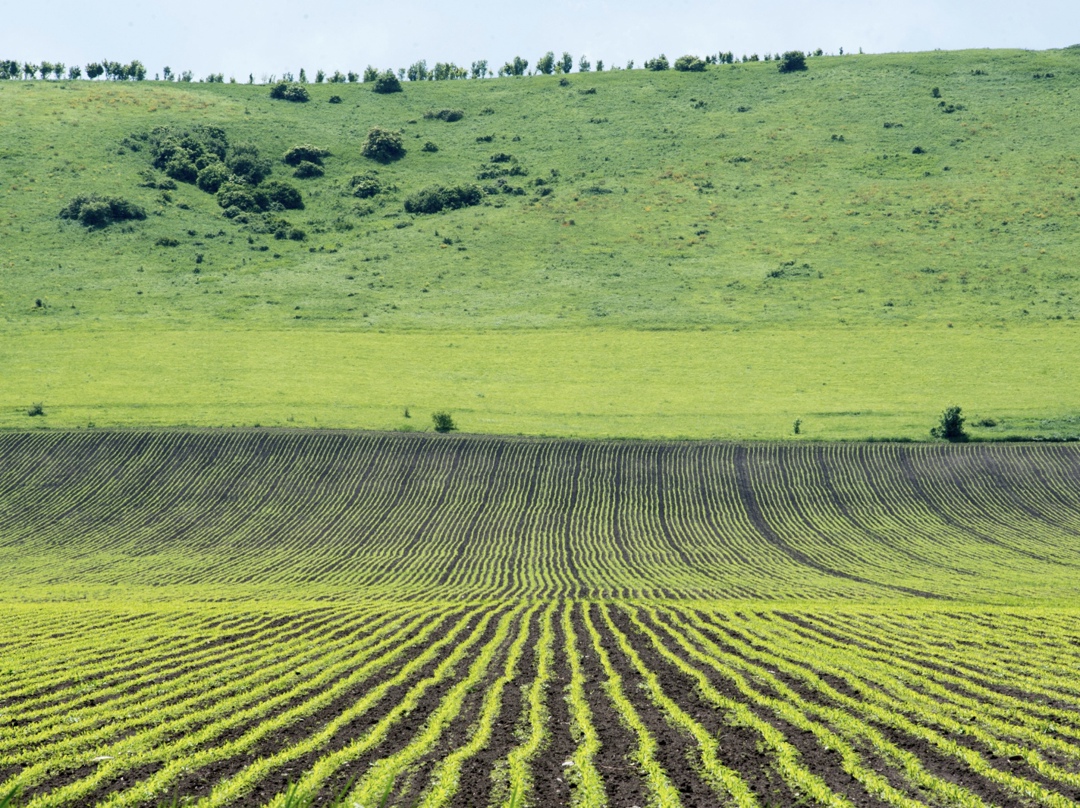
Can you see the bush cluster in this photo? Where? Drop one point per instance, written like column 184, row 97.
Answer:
column 289, row 91
column 304, row 152
column 364, row 186
column 438, row 197
column 95, row 212
column 689, row 64
column 449, row 115
column 659, row 63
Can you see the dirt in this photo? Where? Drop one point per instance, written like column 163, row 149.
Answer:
column 624, row 782
column 550, row 783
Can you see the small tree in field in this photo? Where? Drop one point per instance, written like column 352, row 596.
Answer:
column 792, row 61
column 443, row 422
column 546, row 63
column 387, row 83
column 383, row 145
column 951, row 426
column 567, row 62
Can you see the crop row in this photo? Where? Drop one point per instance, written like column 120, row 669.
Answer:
column 662, row 703
column 426, row 516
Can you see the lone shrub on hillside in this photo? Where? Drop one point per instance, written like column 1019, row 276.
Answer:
column 364, row 186
column 792, row 61
column 659, row 63
column 95, row 212
column 689, row 64
column 438, row 197
column 383, row 145
column 283, row 194
column 386, row 83
column 448, row 115
column 951, row 426
column 298, row 154
column 443, row 421
column 289, row 91
column 307, row 170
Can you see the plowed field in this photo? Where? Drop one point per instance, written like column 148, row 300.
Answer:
column 262, row 618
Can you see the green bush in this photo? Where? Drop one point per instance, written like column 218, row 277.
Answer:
column 244, row 161
column 364, row 186
column 335, row 99
column 443, row 421
column 951, row 426
column 438, row 197
column 546, row 63
column 305, row 152
column 429, row 147
column 242, row 197
column 289, row 91
column 283, row 194
column 306, row 170
column 689, row 64
column 659, row 63
column 95, row 212
column 211, row 177
column 449, row 115
column 792, row 61
column 383, row 145
column 386, row 83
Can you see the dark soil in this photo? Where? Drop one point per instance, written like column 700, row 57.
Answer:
column 550, row 786
column 624, row 782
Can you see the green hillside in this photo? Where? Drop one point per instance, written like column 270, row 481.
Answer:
column 805, row 235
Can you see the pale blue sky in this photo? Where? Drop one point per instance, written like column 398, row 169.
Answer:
column 274, row 36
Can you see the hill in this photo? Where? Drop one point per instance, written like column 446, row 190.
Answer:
column 775, row 226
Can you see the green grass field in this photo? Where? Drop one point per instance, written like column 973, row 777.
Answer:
column 695, row 271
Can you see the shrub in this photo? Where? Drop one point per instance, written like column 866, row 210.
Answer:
column 289, row 91
column 689, row 64
column 546, row 63
column 335, row 99
column 370, row 74
column 429, row 147
column 39, row 409
column 211, row 177
column 307, row 170
column 364, row 186
column 164, row 241
column 386, row 83
column 244, row 161
column 449, row 115
column 182, row 169
column 242, row 197
column 792, row 61
column 659, row 63
column 283, row 194
column 305, row 152
column 951, row 426
column 438, row 197
column 96, row 211
column 443, row 421
column 383, row 145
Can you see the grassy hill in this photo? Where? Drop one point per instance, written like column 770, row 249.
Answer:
column 711, row 254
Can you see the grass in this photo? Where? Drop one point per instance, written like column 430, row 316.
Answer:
column 803, row 219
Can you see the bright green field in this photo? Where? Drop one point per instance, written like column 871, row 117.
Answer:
column 649, row 294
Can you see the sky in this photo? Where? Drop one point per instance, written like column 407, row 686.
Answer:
column 270, row 37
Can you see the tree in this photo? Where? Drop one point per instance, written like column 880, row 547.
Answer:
column 74, row 72
column 567, row 62
column 659, row 63
column 417, row 71
column 167, row 73
column 479, row 68
column 689, row 64
column 320, row 76
column 600, row 65
column 546, row 63
column 353, row 77
column 370, row 74
column 45, row 68
column 58, row 70
column 443, row 421
column 135, row 70
column 951, row 426
column 29, row 70
column 387, row 83
column 583, row 65
column 792, row 61
column 303, row 76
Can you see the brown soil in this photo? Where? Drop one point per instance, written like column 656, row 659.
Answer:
column 550, row 784
column 624, row 782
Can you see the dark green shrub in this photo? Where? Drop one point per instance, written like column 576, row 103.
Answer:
column 39, row 409
column 364, row 186
column 546, row 63
column 211, row 177
column 449, row 115
column 438, row 197
column 566, row 62
column 335, row 99
column 242, row 197
column 244, row 161
column 383, row 145
column 96, row 211
column 429, row 147
column 166, row 242
column 689, row 64
column 283, row 194
column 289, row 91
column 792, row 61
column 951, row 426
column 305, row 152
column 182, row 169
column 306, row 170
column 443, row 421
column 386, row 83
column 659, row 63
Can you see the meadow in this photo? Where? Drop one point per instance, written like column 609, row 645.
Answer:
column 778, row 215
